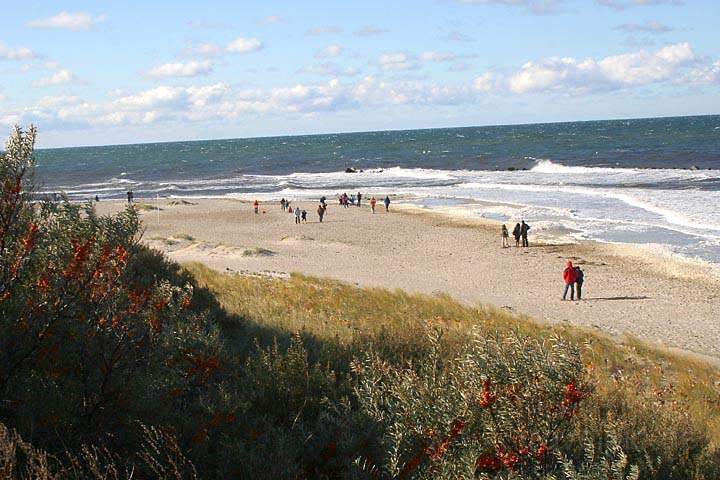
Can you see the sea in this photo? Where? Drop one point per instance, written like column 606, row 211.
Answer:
column 653, row 182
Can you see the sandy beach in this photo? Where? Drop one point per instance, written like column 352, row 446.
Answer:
column 627, row 291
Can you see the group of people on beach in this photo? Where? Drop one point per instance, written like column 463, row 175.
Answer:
column 520, row 232
column 573, row 276
column 345, row 201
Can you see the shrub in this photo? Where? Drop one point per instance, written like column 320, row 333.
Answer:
column 90, row 341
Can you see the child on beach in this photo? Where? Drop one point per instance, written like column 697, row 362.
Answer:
column 579, row 280
column 516, row 234
column 372, row 204
column 256, row 207
column 569, row 277
column 297, row 214
column 505, row 236
column 303, row 215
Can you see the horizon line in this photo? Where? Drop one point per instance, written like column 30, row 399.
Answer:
column 353, row 132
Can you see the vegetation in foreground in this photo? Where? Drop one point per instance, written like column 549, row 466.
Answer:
column 115, row 363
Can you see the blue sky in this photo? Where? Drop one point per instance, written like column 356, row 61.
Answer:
column 92, row 73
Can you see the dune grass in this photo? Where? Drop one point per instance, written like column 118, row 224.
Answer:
column 664, row 401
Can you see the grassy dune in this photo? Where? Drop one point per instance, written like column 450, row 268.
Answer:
column 664, row 406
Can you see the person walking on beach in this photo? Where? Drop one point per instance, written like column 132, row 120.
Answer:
column 321, row 212
column 579, row 280
column 303, row 215
column 372, row 204
column 524, row 228
column 505, row 236
column 359, row 197
column 297, row 214
column 283, row 204
column 516, row 234
column 256, row 207
column 387, row 204
column 131, row 196
column 569, row 277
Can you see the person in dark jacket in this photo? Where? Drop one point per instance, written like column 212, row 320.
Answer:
column 359, row 197
column 516, row 234
column 387, row 204
column 524, row 228
column 569, row 277
column 321, row 211
column 579, row 280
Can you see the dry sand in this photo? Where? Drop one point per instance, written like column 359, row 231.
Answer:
column 627, row 291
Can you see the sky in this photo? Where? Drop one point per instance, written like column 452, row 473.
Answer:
column 111, row 72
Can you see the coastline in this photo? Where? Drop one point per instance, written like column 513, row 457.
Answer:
column 629, row 291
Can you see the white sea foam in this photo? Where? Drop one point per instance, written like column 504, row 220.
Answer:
column 671, row 207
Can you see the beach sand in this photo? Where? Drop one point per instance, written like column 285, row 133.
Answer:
column 663, row 301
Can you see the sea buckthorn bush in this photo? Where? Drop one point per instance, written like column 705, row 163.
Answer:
column 91, row 343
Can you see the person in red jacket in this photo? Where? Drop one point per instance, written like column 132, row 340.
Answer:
column 569, row 277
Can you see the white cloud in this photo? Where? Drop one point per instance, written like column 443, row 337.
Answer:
column 705, row 75
column 58, row 78
column 244, row 45
column 485, row 82
column 617, row 71
column 534, row 6
column 239, row 45
column 623, row 4
column 328, row 69
column 369, row 31
column 432, row 56
column 324, row 30
column 180, row 69
column 646, row 27
column 330, row 51
column 397, row 61
column 21, row 53
column 219, row 102
column 69, row 21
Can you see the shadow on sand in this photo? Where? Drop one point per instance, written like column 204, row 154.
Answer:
column 596, row 299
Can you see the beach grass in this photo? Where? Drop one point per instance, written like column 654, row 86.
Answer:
column 660, row 402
